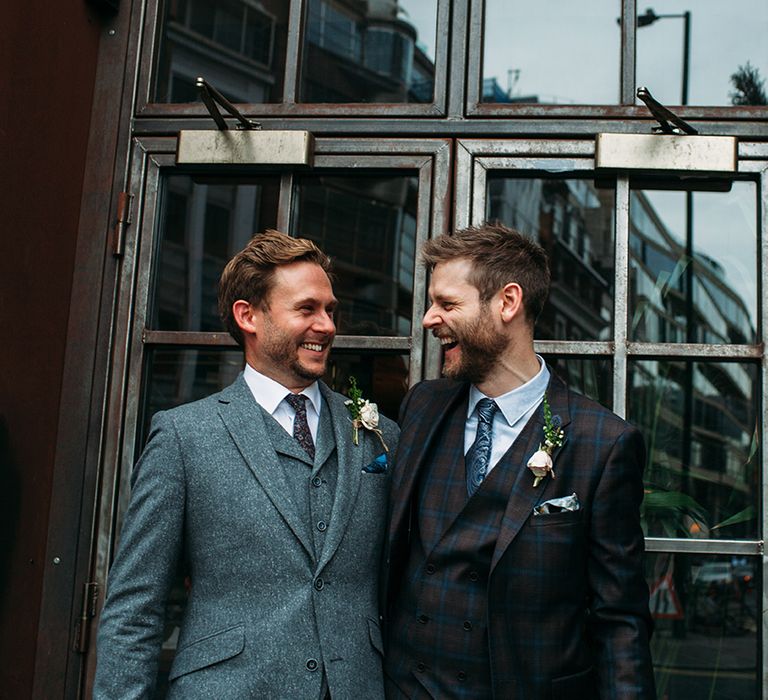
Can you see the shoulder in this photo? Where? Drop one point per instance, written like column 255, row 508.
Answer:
column 192, row 414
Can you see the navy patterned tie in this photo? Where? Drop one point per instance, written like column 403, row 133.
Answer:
column 300, row 426
column 479, row 454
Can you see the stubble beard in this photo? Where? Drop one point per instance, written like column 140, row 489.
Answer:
column 283, row 352
column 481, row 346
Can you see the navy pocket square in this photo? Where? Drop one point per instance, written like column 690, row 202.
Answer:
column 378, row 466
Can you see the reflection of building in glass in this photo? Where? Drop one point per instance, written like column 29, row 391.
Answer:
column 368, row 226
column 698, row 418
column 357, row 51
column 354, row 51
column 572, row 221
column 237, row 45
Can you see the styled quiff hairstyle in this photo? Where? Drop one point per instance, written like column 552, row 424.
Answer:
column 499, row 255
column 250, row 274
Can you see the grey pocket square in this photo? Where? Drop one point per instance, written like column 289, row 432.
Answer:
column 558, row 505
column 378, row 466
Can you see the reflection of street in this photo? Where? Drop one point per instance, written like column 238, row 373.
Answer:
column 716, row 656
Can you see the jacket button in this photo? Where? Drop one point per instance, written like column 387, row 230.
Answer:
column 461, row 676
column 473, row 576
column 421, row 667
column 423, row 619
column 431, row 568
column 319, row 583
column 317, row 481
column 322, row 526
column 312, row 664
column 467, row 625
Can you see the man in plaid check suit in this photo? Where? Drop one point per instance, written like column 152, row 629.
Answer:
column 502, row 585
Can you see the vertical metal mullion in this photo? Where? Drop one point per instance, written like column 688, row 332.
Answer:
column 423, row 207
column 285, row 203
column 620, row 296
column 763, row 274
column 293, row 51
column 457, row 73
column 628, row 52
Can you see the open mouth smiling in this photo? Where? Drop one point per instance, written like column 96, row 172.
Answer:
column 315, row 347
column 448, row 343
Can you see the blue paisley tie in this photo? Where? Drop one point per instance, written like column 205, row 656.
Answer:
column 479, row 454
column 300, row 426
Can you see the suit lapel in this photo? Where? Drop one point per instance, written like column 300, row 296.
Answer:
column 245, row 422
column 350, row 464
column 524, row 497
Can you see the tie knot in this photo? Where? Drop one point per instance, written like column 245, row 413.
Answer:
column 296, row 401
column 486, row 410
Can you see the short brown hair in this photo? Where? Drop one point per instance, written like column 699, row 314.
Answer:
column 250, row 274
column 499, row 255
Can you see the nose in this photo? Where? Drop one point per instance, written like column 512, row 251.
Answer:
column 431, row 318
column 324, row 323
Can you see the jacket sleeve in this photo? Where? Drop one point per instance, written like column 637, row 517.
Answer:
column 132, row 620
column 620, row 623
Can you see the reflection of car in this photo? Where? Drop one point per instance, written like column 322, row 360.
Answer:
column 715, row 573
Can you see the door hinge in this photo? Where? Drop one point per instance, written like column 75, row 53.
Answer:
column 87, row 613
column 124, row 207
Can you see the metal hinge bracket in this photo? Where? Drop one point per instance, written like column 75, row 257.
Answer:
column 124, row 208
column 87, row 613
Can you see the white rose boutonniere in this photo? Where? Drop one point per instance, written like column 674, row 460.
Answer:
column 540, row 462
column 364, row 413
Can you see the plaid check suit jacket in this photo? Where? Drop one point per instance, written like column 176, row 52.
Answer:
column 567, row 601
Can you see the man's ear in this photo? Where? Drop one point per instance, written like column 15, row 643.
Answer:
column 511, row 302
column 245, row 317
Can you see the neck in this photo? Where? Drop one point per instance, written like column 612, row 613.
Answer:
column 515, row 367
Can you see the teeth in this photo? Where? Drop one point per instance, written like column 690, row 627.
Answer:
column 312, row 346
column 446, row 341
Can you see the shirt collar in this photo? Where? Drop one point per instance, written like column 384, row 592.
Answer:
column 269, row 393
column 516, row 403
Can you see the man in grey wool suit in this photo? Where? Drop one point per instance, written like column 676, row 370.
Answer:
column 276, row 514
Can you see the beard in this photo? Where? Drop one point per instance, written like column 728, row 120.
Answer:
column 282, row 350
column 481, row 345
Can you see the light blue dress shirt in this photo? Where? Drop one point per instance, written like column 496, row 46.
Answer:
column 515, row 408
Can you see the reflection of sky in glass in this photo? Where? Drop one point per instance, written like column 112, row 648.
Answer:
column 422, row 15
column 566, row 52
column 724, row 229
column 569, row 52
column 723, row 36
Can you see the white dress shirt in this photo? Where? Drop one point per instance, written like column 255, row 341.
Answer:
column 515, row 408
column 270, row 395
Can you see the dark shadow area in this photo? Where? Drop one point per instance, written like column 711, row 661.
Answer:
column 9, row 504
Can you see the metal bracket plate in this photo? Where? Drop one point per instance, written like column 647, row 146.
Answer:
column 705, row 154
column 239, row 148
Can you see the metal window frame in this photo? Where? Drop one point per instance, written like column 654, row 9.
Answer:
column 475, row 158
column 152, row 159
column 148, row 16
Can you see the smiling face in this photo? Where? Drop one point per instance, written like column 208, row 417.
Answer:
column 290, row 340
column 471, row 341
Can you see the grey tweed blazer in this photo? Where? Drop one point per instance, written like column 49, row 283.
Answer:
column 265, row 615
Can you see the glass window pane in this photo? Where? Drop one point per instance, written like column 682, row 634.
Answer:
column 236, row 45
column 700, row 423
column 573, row 221
column 551, row 52
column 590, row 376
column 706, row 611
column 369, row 52
column 381, row 376
column 725, row 38
column 718, row 230
column 203, row 223
column 367, row 224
